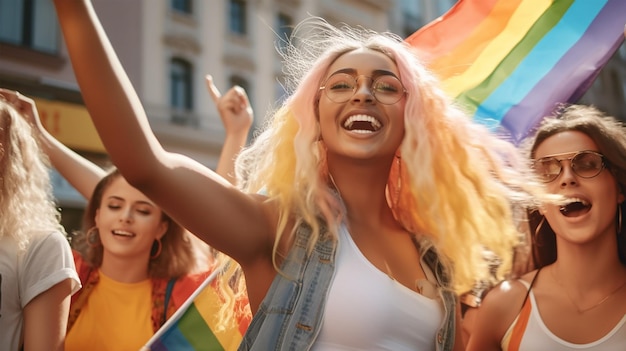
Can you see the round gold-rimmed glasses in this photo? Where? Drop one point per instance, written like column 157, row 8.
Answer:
column 341, row 87
column 585, row 164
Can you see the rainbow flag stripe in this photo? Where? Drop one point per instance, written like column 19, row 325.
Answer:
column 508, row 62
column 193, row 326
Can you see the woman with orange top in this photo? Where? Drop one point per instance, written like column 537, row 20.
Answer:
column 137, row 265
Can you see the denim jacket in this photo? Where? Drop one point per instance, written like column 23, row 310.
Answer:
column 290, row 316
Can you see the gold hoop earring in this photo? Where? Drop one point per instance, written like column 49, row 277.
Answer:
column 156, row 252
column 93, row 237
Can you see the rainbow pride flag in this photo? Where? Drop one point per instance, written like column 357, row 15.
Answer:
column 193, row 326
column 509, row 62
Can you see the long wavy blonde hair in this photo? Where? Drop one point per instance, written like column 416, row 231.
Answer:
column 453, row 181
column 27, row 203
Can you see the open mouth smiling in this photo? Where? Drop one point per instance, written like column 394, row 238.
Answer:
column 362, row 124
column 123, row 233
column 575, row 207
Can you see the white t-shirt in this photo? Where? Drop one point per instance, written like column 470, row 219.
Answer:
column 46, row 262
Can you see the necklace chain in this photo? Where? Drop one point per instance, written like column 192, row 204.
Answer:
column 573, row 301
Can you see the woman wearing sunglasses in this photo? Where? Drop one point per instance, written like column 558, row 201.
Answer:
column 575, row 299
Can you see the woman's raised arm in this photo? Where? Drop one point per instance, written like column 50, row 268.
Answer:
column 80, row 172
column 198, row 198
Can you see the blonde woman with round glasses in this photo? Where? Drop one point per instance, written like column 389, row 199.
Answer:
column 575, row 299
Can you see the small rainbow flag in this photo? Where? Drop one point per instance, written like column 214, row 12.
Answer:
column 509, row 62
column 193, row 326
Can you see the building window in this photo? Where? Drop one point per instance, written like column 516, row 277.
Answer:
column 411, row 24
column 284, row 28
column 181, row 92
column 183, row 6
column 443, row 6
column 238, row 17
column 411, row 12
column 29, row 23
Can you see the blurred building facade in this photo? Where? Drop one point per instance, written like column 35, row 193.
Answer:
column 168, row 46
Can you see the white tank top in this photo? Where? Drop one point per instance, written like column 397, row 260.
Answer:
column 367, row 310
column 535, row 335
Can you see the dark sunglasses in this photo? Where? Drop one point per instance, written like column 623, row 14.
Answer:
column 585, row 164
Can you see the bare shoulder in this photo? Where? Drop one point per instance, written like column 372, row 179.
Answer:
column 504, row 295
column 505, row 300
column 502, row 304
